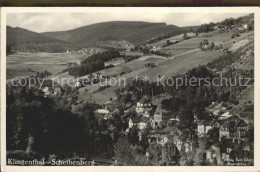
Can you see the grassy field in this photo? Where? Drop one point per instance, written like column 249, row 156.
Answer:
column 185, row 56
column 177, row 37
column 183, row 61
column 131, row 53
column 215, row 36
column 23, row 64
column 181, row 64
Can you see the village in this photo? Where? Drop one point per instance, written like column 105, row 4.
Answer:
column 155, row 124
column 227, row 128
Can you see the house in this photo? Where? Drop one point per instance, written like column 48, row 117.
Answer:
column 146, row 113
column 46, row 91
column 171, row 131
column 221, row 27
column 224, row 130
column 216, row 108
column 211, row 124
column 205, row 46
column 224, row 116
column 213, row 154
column 201, row 127
column 57, row 90
column 107, row 104
column 158, row 115
column 77, row 84
column 103, row 111
column 140, row 122
column 144, row 105
column 242, row 129
column 156, row 48
column 227, row 146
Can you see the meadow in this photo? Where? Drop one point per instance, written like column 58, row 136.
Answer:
column 25, row 64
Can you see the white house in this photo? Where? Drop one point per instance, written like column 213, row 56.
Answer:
column 77, row 84
column 201, row 127
column 46, row 91
column 140, row 122
column 103, row 111
column 225, row 115
column 143, row 106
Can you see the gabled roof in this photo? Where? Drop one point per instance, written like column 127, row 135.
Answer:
column 211, row 150
column 144, row 119
column 168, row 129
column 210, row 123
column 242, row 123
column 225, row 125
column 201, row 122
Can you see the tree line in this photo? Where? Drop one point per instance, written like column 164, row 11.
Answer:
column 93, row 63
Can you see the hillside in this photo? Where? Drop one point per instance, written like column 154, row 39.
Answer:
column 134, row 32
column 20, row 39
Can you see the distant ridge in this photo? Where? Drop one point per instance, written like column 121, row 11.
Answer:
column 22, row 40
column 134, row 32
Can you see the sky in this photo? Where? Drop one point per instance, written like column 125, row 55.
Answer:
column 47, row 22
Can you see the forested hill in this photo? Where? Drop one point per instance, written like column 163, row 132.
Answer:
column 134, row 32
column 20, row 39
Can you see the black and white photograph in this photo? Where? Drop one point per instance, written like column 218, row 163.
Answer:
column 119, row 88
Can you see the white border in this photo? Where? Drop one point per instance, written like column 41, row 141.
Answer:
column 118, row 10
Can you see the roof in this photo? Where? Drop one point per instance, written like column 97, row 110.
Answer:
column 245, row 144
column 135, row 120
column 168, row 129
column 225, row 125
column 144, row 119
column 217, row 144
column 242, row 123
column 210, row 123
column 213, row 104
column 144, row 100
column 201, row 122
column 225, row 116
column 211, row 150
column 140, row 119
column 104, row 111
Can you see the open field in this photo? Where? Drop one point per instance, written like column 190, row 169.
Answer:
column 132, row 65
column 132, row 53
column 180, row 63
column 185, row 56
column 215, row 36
column 177, row 37
column 23, row 64
column 115, row 62
column 167, row 67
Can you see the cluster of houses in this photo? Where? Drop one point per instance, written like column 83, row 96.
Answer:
column 241, row 27
column 231, row 128
column 84, row 51
column 148, row 113
column 48, row 91
column 88, row 79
